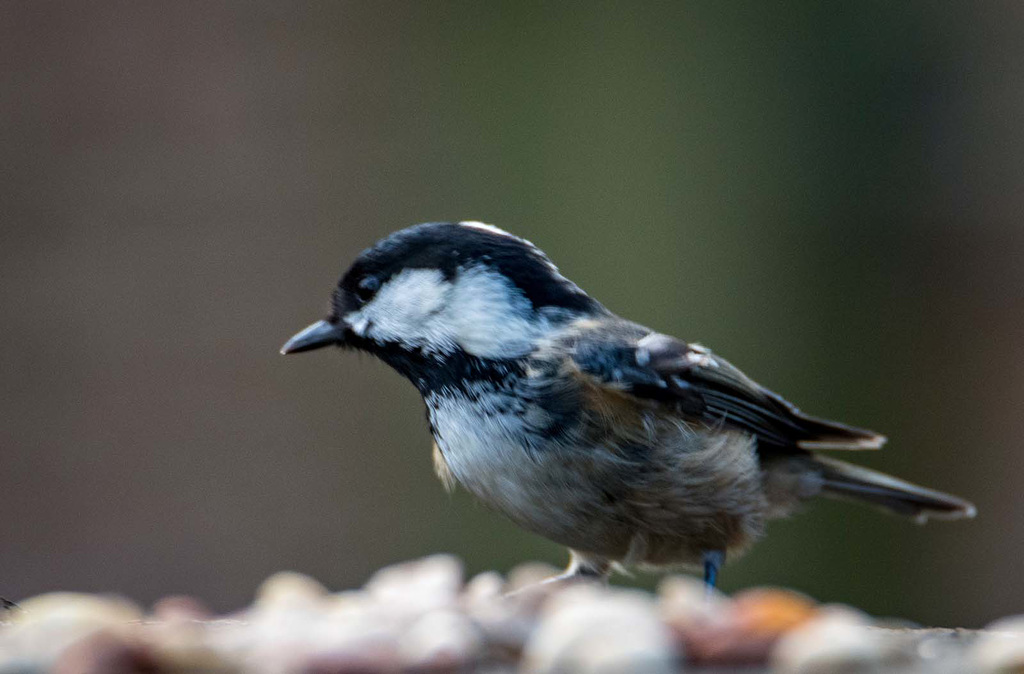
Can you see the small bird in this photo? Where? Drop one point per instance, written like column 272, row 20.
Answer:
column 630, row 447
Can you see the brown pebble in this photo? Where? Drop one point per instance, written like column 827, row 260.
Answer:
column 772, row 612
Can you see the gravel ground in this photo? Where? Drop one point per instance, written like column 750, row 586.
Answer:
column 422, row 616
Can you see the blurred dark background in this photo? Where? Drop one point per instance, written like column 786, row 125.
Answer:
column 828, row 194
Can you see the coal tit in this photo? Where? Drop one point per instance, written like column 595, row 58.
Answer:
column 629, row 447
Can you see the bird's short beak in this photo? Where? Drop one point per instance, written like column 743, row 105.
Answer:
column 320, row 334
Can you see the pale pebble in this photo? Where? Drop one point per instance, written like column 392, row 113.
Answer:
column 1000, row 648
column 416, row 587
column 441, row 640
column 594, row 630
column 46, row 625
column 837, row 640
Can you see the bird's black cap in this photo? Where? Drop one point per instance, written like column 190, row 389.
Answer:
column 451, row 246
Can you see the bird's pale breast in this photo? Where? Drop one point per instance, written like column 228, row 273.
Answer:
column 653, row 502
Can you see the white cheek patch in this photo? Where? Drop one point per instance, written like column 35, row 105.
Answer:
column 359, row 324
column 480, row 313
column 407, row 310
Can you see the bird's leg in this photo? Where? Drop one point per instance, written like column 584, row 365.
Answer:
column 582, row 567
column 713, row 560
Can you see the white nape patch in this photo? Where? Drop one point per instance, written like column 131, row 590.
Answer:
column 474, row 224
column 483, row 226
column 479, row 312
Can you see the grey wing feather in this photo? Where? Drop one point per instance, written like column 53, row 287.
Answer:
column 708, row 388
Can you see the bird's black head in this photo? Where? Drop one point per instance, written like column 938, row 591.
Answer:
column 441, row 290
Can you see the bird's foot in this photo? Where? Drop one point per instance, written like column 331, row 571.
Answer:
column 580, row 570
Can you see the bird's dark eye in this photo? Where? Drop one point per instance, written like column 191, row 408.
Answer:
column 367, row 286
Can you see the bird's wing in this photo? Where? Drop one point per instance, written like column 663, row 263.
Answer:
column 708, row 389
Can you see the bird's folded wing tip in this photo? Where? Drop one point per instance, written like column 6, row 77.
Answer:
column 870, row 442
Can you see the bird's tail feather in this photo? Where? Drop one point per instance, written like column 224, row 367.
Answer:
column 847, row 481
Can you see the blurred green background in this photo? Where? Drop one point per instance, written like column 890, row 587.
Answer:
column 828, row 194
